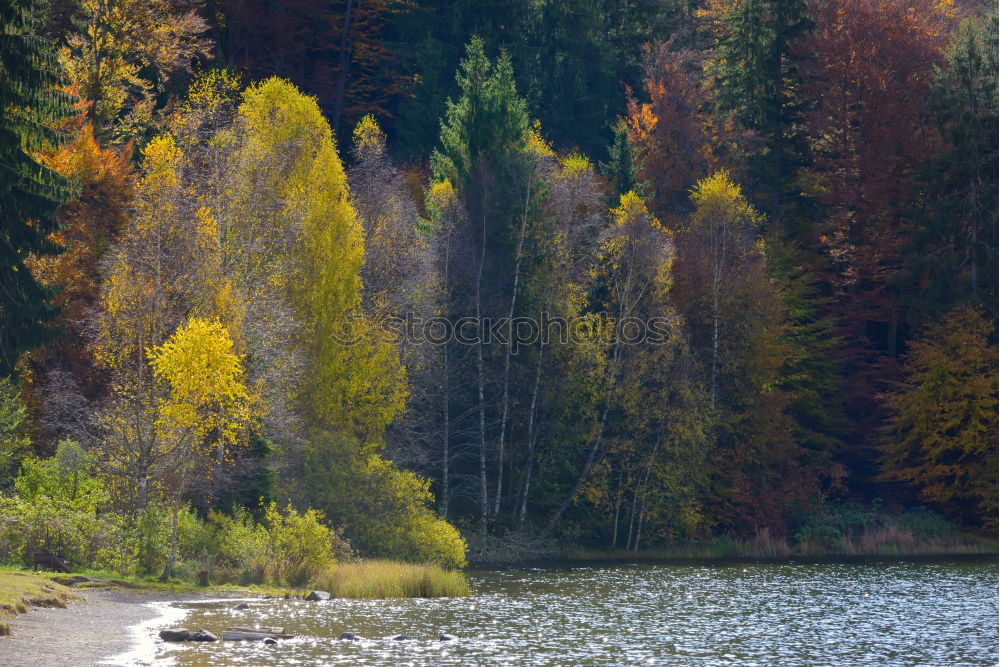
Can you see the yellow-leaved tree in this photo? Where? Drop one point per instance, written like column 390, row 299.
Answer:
column 205, row 411
column 941, row 436
column 165, row 268
column 291, row 234
column 307, row 229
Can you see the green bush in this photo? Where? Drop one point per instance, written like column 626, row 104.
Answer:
column 434, row 540
column 56, row 507
column 302, row 544
column 244, row 544
column 385, row 511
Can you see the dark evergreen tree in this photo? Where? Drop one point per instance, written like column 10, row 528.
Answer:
column 757, row 81
column 30, row 194
column 953, row 257
column 621, row 168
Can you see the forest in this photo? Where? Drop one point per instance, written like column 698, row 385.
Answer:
column 289, row 282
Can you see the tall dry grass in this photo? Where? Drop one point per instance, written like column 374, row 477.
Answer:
column 377, row 579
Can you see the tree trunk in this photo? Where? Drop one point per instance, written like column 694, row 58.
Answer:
column 505, row 403
column 483, row 493
column 531, row 435
column 715, row 342
column 638, row 529
column 631, row 520
column 168, row 569
column 642, row 505
column 446, row 404
column 618, row 508
column 343, row 63
column 445, row 437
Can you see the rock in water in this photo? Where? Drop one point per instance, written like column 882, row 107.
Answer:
column 318, row 596
column 175, row 635
column 446, row 638
column 401, row 638
column 349, row 636
column 203, row 636
column 270, row 642
column 242, row 606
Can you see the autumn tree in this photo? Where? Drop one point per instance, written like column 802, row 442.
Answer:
column 395, row 274
column 164, row 268
column 735, row 315
column 941, row 435
column 65, row 377
column 129, row 55
column 650, row 479
column 871, row 134
column 671, row 131
column 204, row 413
column 303, row 245
column 633, row 263
column 557, row 384
column 718, row 247
column 872, row 70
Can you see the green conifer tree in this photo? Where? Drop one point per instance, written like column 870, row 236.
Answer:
column 30, row 194
column 757, row 79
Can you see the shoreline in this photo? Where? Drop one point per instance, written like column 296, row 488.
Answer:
column 665, row 557
column 100, row 627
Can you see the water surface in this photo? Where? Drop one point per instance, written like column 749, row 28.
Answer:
column 879, row 613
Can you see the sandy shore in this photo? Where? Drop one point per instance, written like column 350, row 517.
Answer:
column 103, row 628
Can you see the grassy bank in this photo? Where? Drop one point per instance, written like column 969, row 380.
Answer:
column 366, row 579
column 20, row 590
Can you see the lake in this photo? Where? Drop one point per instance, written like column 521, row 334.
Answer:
column 874, row 613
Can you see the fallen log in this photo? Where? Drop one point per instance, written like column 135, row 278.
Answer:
column 267, row 631
column 240, row 635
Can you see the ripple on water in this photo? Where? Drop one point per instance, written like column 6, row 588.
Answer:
column 768, row 614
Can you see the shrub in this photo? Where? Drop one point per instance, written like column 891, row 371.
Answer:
column 386, row 510
column 301, row 543
column 434, row 540
column 244, row 544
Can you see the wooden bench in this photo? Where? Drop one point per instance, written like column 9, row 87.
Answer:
column 50, row 561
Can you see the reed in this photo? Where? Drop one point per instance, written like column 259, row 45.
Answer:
column 377, row 579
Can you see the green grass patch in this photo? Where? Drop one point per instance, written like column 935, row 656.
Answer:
column 377, row 579
column 20, row 590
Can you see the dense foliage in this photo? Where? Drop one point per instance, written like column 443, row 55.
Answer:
column 416, row 275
